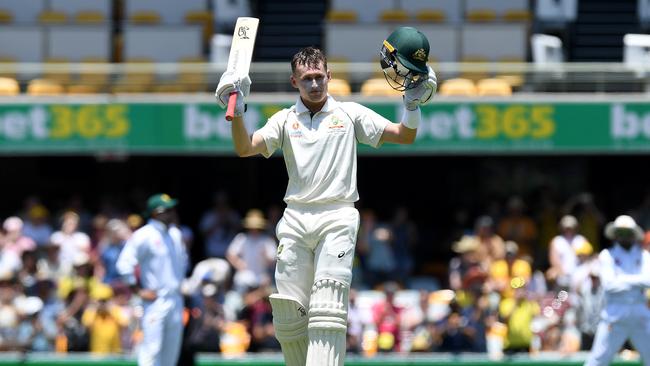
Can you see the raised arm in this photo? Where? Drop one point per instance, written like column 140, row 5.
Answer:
column 245, row 144
column 405, row 131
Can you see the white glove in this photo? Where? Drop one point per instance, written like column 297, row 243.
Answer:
column 228, row 83
column 421, row 94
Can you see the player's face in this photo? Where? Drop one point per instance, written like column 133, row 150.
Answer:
column 311, row 83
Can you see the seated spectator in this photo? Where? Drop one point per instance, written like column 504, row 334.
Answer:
column 466, row 264
column 36, row 226
column 9, row 260
column 257, row 317
column 585, row 260
column 117, row 232
column 15, row 240
column 29, row 334
column 52, row 307
column 355, row 324
column 562, row 255
column 219, row 225
column 27, row 275
column 405, row 237
column 206, row 321
column 9, row 315
column 253, row 251
column 492, row 246
column 70, row 240
column 503, row 271
column 49, row 265
column 589, row 304
column 386, row 315
column 455, row 336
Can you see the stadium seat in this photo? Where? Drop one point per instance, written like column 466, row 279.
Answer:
column 458, row 87
column 480, row 15
column 378, row 87
column 514, row 78
column 8, row 67
column 89, row 17
column 493, row 87
column 190, row 80
column 202, row 18
column 394, row 15
column 6, row 16
column 52, row 17
column 22, row 12
column 477, row 73
column 430, row 16
column 339, row 87
column 9, row 86
column 44, row 87
column 145, row 17
column 59, row 76
column 339, row 67
column 144, row 42
column 342, row 16
column 83, row 89
column 517, row 15
column 96, row 80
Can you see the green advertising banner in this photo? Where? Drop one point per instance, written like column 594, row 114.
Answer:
column 447, row 127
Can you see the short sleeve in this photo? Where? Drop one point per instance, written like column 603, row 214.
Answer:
column 272, row 132
column 368, row 124
column 236, row 245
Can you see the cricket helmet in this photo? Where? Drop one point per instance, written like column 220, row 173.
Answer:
column 404, row 57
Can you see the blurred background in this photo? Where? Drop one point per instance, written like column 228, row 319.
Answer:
column 537, row 138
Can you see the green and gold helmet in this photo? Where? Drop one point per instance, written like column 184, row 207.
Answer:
column 404, row 57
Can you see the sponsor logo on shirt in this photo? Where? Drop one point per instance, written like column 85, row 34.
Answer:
column 335, row 125
column 296, row 131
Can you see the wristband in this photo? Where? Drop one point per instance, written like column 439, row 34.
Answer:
column 411, row 119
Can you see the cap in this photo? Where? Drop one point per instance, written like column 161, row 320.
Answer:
column 568, row 221
column 412, row 48
column 160, row 202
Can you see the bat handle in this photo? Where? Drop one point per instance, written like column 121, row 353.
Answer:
column 232, row 101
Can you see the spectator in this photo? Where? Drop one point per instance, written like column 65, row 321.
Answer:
column 405, row 238
column 517, row 313
column 380, row 259
column 208, row 321
column 589, row 304
column 252, row 251
column 588, row 215
column 104, row 322
column 29, row 333
column 52, row 307
column 492, row 247
column 518, row 227
column 562, row 252
column 386, row 315
column 70, row 240
column 15, row 240
column 455, row 335
column 117, row 233
column 28, row 273
column 504, row 271
column 355, row 325
column 584, row 262
column 466, row 264
column 257, row 317
column 36, row 226
column 50, row 264
column 8, row 311
column 219, row 226
column 9, row 260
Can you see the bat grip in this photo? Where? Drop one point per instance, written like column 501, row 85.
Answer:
column 232, row 101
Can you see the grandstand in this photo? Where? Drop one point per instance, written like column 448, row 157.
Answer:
column 542, row 111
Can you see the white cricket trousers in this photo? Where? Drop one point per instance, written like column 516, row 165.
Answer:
column 316, row 242
column 610, row 337
column 162, row 325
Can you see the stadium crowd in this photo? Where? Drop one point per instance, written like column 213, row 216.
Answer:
column 516, row 282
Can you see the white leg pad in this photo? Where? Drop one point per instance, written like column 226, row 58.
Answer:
column 328, row 317
column 290, row 323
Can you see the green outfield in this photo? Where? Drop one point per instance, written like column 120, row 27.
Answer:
column 10, row 359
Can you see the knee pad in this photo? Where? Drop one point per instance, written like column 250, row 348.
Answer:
column 290, row 323
column 328, row 317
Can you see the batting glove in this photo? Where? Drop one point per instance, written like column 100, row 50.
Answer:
column 421, row 94
column 228, row 83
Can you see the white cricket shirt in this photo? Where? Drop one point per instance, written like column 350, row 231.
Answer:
column 320, row 151
column 625, row 276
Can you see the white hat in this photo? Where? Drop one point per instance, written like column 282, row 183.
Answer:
column 13, row 223
column 568, row 221
column 623, row 222
column 28, row 305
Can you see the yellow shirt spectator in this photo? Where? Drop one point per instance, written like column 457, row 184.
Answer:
column 502, row 272
column 518, row 313
column 104, row 325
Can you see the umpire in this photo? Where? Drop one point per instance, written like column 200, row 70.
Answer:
column 159, row 252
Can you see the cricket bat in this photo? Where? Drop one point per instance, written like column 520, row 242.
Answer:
column 241, row 53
